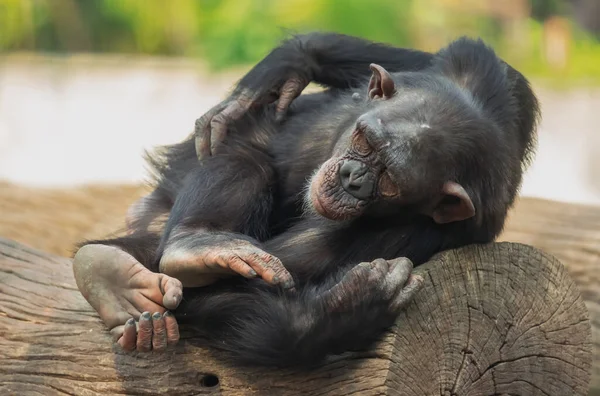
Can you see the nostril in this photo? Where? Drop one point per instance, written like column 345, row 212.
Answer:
column 355, row 180
column 347, row 170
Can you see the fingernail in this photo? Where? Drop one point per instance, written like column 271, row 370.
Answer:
column 276, row 279
column 168, row 314
column 146, row 316
column 252, row 272
column 130, row 322
column 156, row 316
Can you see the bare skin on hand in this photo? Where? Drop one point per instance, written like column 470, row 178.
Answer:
column 121, row 289
column 211, row 128
column 202, row 265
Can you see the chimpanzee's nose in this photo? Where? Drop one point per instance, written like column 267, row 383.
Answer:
column 356, row 179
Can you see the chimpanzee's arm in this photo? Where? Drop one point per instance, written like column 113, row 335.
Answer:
column 333, row 60
column 203, row 242
column 330, row 59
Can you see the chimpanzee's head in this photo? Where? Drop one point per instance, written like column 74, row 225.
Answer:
column 424, row 143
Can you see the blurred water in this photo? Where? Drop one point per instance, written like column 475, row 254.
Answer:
column 66, row 121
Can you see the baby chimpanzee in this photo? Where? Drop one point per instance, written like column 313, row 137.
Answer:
column 321, row 202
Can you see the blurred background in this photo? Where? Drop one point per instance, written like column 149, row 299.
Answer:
column 86, row 86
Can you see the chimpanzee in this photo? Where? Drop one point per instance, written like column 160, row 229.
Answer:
column 322, row 202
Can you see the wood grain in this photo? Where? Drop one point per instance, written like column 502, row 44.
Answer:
column 492, row 319
column 571, row 233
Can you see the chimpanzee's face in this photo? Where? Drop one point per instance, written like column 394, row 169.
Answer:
column 400, row 152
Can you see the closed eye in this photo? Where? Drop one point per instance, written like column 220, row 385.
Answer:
column 386, row 186
column 360, row 144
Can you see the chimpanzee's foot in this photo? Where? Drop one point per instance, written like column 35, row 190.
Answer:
column 202, row 258
column 386, row 281
column 120, row 289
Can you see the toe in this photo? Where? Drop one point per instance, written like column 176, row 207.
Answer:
column 128, row 338
column 406, row 295
column 379, row 268
column 159, row 336
column 172, row 328
column 402, row 268
column 144, row 336
column 173, row 292
column 397, row 278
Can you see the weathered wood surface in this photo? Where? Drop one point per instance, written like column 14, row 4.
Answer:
column 571, row 233
column 494, row 319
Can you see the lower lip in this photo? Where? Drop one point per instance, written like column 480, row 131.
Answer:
column 317, row 204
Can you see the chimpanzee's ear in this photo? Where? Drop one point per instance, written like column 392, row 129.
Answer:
column 456, row 205
column 381, row 84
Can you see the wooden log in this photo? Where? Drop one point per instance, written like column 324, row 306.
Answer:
column 492, row 319
column 571, row 233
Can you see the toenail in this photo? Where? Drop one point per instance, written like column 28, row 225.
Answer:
column 130, row 322
column 168, row 314
column 146, row 316
column 156, row 316
column 289, row 284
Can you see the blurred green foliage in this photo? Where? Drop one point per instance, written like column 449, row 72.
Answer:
column 238, row 32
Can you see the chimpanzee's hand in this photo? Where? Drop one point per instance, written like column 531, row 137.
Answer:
column 211, row 128
column 387, row 282
column 199, row 259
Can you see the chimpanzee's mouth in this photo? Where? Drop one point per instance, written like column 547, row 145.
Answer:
column 318, row 206
column 342, row 208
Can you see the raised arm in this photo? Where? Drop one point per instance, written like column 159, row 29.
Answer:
column 330, row 59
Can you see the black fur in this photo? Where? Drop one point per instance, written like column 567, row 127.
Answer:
column 481, row 114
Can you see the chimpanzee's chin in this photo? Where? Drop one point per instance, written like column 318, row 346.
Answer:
column 322, row 209
column 325, row 210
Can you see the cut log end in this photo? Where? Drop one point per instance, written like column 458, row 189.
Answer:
column 492, row 319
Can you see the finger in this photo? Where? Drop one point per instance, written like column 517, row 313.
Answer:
column 202, row 143
column 159, row 333
column 172, row 328
column 173, row 292
column 406, row 295
column 202, row 130
column 238, row 265
column 144, row 336
column 290, row 90
column 127, row 341
column 220, row 122
column 270, row 268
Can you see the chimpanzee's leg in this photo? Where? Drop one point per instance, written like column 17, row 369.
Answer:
column 338, row 305
column 218, row 217
column 254, row 326
column 220, row 211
